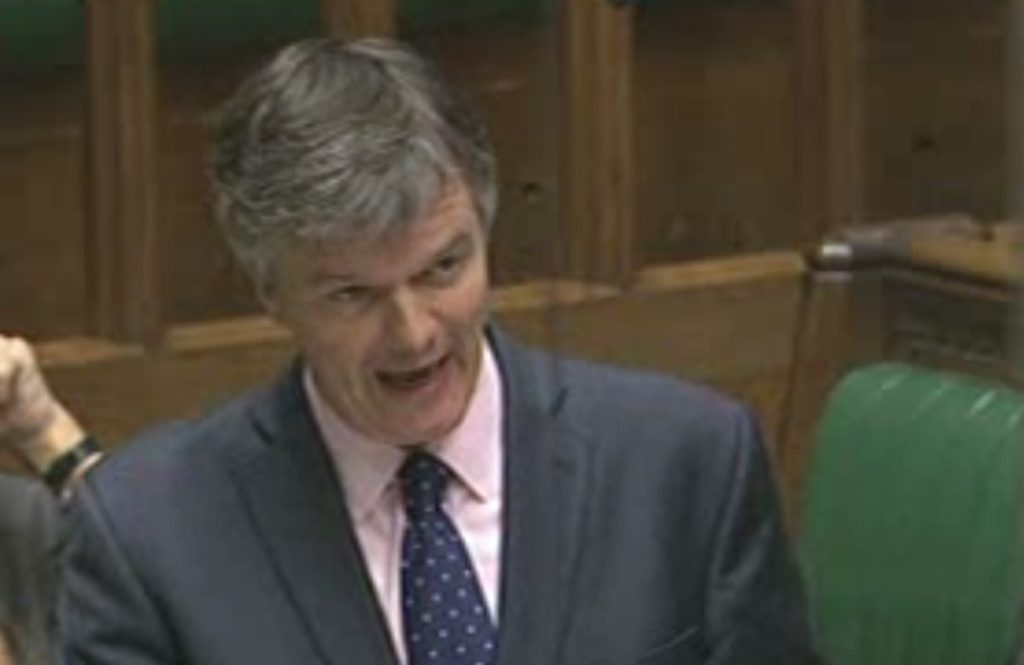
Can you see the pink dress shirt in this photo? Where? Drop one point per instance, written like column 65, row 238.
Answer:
column 366, row 470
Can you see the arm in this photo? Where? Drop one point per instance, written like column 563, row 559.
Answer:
column 755, row 607
column 33, row 424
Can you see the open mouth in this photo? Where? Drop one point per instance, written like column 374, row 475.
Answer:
column 415, row 378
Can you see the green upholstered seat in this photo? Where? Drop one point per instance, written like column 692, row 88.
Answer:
column 911, row 530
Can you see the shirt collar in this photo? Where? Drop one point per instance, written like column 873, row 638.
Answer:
column 473, row 450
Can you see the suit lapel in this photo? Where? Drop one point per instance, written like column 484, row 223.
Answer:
column 544, row 491
column 288, row 484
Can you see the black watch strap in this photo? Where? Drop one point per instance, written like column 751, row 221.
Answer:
column 62, row 468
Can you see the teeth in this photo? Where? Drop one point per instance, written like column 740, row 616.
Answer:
column 416, row 374
column 411, row 377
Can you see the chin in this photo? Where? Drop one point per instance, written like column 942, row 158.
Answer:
column 431, row 419
column 433, row 430
column 437, row 431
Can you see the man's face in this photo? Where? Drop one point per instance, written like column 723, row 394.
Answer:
column 392, row 329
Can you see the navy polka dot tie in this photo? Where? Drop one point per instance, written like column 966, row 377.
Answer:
column 446, row 621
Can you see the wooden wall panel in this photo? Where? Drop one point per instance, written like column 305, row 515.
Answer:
column 727, row 322
column 1014, row 143
column 829, row 70
column 200, row 280
column 935, row 108
column 122, row 244
column 359, row 18
column 597, row 164
column 715, row 125
column 42, row 267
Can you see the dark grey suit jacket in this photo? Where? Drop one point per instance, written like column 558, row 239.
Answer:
column 641, row 526
column 28, row 565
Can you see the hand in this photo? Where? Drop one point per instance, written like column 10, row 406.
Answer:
column 6, row 657
column 33, row 424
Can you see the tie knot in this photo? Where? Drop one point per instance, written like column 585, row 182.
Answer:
column 424, row 479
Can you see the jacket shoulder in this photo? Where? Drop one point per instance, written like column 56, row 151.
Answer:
column 645, row 394
column 176, row 452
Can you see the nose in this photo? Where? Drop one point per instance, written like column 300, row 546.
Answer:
column 411, row 326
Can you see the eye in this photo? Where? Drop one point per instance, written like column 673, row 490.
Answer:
column 448, row 263
column 352, row 294
column 445, row 269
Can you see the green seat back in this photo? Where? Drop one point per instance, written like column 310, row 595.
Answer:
column 911, row 530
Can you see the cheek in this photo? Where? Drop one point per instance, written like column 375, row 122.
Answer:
column 343, row 350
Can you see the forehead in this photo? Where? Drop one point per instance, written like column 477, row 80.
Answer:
column 392, row 254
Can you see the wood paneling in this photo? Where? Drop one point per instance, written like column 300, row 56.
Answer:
column 726, row 322
column 359, row 18
column 1014, row 40
column 42, row 266
column 829, row 71
column 715, row 124
column 935, row 89
column 597, row 166
column 122, row 170
column 200, row 280
column 42, row 279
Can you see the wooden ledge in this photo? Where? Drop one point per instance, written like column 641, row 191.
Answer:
column 80, row 351
column 989, row 261
column 720, row 271
column 547, row 293
column 225, row 333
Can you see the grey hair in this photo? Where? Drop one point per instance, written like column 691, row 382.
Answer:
column 336, row 139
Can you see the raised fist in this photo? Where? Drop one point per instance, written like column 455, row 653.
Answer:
column 33, row 424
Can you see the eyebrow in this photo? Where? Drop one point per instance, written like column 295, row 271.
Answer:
column 323, row 277
column 463, row 239
column 460, row 241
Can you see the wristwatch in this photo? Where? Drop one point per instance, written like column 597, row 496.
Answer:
column 64, row 467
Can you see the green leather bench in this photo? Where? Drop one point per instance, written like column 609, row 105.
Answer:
column 911, row 536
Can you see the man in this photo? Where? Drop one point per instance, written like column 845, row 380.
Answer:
column 418, row 488
column 44, row 435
